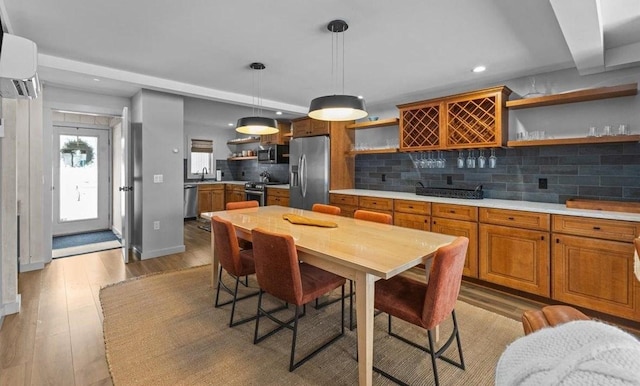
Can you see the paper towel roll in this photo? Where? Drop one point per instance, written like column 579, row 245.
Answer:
column 218, row 175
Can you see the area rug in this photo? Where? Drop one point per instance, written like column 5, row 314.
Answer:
column 163, row 329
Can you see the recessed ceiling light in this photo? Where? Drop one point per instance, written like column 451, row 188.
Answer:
column 479, row 69
column 231, row 124
column 96, row 79
column 360, row 97
column 278, row 112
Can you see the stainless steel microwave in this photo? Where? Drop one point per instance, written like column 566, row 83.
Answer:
column 274, row 154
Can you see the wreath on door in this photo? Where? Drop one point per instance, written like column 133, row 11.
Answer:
column 80, row 151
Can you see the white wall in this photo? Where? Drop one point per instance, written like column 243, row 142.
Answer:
column 160, row 152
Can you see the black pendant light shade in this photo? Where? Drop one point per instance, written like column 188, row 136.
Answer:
column 257, row 126
column 337, row 108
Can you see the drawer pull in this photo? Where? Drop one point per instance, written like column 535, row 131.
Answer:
column 410, row 206
column 596, row 228
column 542, row 238
column 510, row 218
column 452, row 211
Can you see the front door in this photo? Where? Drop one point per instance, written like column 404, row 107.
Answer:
column 81, row 180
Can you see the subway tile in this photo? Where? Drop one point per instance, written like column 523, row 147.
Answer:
column 631, row 170
column 549, row 160
column 579, row 180
column 620, row 181
column 559, row 150
column 591, row 159
column 522, row 187
column 559, row 169
column 627, row 159
column 476, row 177
column 503, row 195
column 631, row 148
column 506, row 178
column 540, row 197
column 523, row 169
column 615, row 191
column 598, row 170
column 604, row 148
column 562, row 189
column 631, row 193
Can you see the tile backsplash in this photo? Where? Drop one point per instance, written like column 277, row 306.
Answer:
column 597, row 171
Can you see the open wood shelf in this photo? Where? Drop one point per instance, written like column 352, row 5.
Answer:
column 242, row 141
column 575, row 96
column 288, row 135
column 575, row 141
column 373, row 124
column 374, row 151
column 241, row 158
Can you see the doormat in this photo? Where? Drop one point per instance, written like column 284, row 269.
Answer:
column 79, row 244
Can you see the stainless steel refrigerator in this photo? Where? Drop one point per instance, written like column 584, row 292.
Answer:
column 309, row 171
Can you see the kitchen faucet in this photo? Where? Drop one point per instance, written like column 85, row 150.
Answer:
column 204, row 171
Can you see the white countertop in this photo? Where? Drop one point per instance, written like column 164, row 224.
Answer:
column 213, row 182
column 541, row 207
column 281, row 186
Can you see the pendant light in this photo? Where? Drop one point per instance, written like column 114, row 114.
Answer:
column 257, row 125
column 337, row 107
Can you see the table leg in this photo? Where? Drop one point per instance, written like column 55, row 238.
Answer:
column 214, row 263
column 364, row 315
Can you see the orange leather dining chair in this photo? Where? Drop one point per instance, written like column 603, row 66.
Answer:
column 368, row 215
column 242, row 204
column 281, row 275
column 238, row 263
column 328, row 209
column 427, row 305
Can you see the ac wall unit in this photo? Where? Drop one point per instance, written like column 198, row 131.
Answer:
column 18, row 65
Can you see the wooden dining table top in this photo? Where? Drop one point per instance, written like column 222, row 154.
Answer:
column 381, row 250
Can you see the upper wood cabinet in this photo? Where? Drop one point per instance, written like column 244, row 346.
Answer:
column 307, row 127
column 469, row 120
column 279, row 138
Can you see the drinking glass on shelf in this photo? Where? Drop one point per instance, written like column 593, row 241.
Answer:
column 623, row 129
column 593, row 132
column 423, row 161
column 471, row 160
column 606, row 131
column 442, row 162
column 460, row 161
column 492, row 159
column 481, row 160
column 431, row 162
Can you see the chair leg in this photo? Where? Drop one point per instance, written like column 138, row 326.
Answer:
column 288, row 324
column 234, row 299
column 435, row 354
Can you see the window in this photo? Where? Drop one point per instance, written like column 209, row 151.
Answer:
column 201, row 157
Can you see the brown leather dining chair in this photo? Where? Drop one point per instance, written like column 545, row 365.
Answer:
column 369, row 215
column 242, row 204
column 238, row 263
column 427, row 305
column 281, row 275
column 328, row 209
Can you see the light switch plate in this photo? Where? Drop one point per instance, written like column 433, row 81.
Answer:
column 156, row 225
column 158, row 178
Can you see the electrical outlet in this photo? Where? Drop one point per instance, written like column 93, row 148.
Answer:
column 156, row 225
column 384, row 177
column 222, row 174
column 542, row 183
column 449, row 180
column 158, row 178
column 242, row 174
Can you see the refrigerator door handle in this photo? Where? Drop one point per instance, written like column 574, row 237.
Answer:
column 303, row 175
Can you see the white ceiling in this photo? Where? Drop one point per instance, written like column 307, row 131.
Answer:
column 394, row 51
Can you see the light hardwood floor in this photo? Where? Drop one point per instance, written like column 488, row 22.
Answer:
column 56, row 339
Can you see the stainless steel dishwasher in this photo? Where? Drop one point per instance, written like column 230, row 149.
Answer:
column 190, row 201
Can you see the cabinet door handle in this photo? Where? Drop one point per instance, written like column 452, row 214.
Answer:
column 542, row 238
column 452, row 211
column 410, row 207
column 434, row 222
column 510, row 218
column 596, row 228
column 557, row 241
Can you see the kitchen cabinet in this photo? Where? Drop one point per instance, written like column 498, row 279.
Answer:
column 514, row 249
column 575, row 97
column 233, row 193
column 307, row 127
column 278, row 196
column 376, row 204
column 592, row 265
column 210, row 198
column 280, row 138
column 412, row 214
column 458, row 220
column 470, row 120
column 348, row 204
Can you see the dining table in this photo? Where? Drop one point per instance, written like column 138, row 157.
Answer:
column 359, row 250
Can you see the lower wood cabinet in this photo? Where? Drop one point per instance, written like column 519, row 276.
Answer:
column 515, row 258
column 210, row 198
column 461, row 228
column 277, row 196
column 595, row 274
column 234, row 193
column 347, row 203
column 376, row 204
column 412, row 214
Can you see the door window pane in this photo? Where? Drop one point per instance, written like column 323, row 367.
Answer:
column 78, row 178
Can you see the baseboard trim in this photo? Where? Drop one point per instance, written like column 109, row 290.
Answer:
column 31, row 267
column 162, row 252
column 11, row 308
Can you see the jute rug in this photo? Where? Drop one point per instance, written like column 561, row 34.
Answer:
column 163, row 330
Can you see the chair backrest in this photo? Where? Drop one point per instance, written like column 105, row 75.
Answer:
column 328, row 209
column 226, row 245
column 368, row 215
column 242, row 204
column 444, row 282
column 277, row 266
